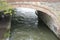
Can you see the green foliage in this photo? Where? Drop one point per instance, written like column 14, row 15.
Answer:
column 6, row 7
column 7, row 34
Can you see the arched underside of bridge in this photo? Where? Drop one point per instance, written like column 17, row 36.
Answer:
column 45, row 14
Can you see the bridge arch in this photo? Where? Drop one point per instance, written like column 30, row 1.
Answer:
column 49, row 17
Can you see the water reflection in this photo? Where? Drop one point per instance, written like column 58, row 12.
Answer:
column 25, row 26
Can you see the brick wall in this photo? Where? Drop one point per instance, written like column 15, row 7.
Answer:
column 33, row 0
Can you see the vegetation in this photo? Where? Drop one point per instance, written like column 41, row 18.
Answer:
column 5, row 7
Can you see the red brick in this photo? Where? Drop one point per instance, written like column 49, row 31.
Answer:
column 33, row 0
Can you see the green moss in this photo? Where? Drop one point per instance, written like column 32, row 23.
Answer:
column 5, row 7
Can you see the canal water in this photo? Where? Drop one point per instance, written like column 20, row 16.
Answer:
column 27, row 26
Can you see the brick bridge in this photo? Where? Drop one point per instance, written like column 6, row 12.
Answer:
column 51, row 15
